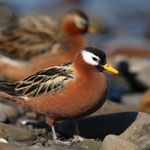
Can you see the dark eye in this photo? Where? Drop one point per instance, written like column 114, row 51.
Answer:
column 95, row 59
column 83, row 22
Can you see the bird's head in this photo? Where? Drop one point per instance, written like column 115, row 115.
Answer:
column 76, row 22
column 96, row 58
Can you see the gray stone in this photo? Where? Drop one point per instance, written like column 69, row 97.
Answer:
column 15, row 133
column 65, row 147
column 139, row 130
column 31, row 115
column 90, row 144
column 131, row 100
column 145, row 144
column 11, row 112
column 3, row 116
column 52, row 147
column 113, row 142
column 4, row 146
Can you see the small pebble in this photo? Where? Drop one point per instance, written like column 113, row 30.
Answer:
column 31, row 115
column 3, row 140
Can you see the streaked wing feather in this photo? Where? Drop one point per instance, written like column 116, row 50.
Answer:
column 49, row 80
column 30, row 37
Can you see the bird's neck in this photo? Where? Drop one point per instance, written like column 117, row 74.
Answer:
column 82, row 67
column 76, row 38
column 69, row 27
column 88, row 76
column 77, row 43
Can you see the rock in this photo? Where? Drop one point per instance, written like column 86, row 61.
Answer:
column 52, row 147
column 90, row 144
column 144, row 103
column 11, row 112
column 145, row 144
column 42, row 132
column 15, row 133
column 131, row 100
column 99, row 126
column 3, row 116
column 113, row 107
column 139, row 130
column 4, row 146
column 113, row 142
column 31, row 115
column 64, row 147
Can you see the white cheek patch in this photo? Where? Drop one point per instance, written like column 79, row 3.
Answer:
column 88, row 57
column 80, row 22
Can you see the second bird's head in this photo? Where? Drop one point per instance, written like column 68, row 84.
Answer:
column 76, row 22
column 96, row 58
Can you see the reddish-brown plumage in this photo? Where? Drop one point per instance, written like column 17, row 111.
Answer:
column 80, row 97
column 49, row 59
column 70, row 91
column 69, row 26
column 74, row 36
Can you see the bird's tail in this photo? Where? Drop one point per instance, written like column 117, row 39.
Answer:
column 8, row 88
column 7, row 91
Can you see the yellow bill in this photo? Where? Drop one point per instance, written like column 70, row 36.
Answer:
column 109, row 68
column 92, row 30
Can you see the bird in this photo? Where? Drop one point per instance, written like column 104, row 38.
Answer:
column 65, row 92
column 37, row 42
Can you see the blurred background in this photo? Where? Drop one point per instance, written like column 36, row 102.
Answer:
column 124, row 34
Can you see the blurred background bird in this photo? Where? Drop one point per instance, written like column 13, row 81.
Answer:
column 35, row 43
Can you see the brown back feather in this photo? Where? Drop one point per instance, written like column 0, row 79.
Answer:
column 8, row 88
column 31, row 37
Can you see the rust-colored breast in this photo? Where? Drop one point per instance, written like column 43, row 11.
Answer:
column 80, row 97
